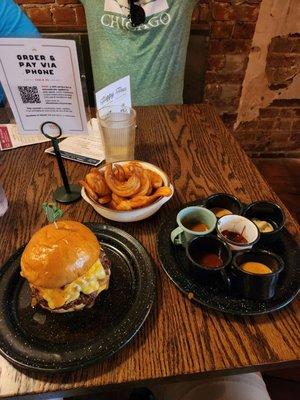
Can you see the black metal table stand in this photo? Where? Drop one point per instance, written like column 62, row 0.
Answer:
column 67, row 193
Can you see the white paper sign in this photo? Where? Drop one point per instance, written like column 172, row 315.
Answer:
column 117, row 93
column 87, row 150
column 41, row 80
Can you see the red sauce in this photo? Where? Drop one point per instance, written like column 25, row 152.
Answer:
column 234, row 236
column 210, row 260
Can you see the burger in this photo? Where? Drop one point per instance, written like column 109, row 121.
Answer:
column 65, row 266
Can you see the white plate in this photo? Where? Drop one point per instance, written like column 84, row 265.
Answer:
column 139, row 213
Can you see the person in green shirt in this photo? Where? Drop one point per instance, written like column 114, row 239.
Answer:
column 150, row 45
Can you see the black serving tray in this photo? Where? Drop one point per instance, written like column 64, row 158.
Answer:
column 37, row 339
column 213, row 294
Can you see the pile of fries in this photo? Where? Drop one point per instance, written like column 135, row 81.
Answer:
column 124, row 187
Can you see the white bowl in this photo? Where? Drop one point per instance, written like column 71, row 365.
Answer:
column 137, row 214
column 237, row 223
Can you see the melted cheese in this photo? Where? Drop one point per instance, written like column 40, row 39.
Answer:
column 94, row 280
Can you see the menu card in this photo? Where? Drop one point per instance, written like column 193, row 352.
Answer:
column 84, row 149
column 41, row 80
column 10, row 138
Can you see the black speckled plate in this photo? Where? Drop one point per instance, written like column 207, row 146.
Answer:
column 39, row 340
column 213, row 294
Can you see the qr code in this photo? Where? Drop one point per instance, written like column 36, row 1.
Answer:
column 29, row 94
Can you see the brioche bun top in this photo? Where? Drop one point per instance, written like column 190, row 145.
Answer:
column 58, row 254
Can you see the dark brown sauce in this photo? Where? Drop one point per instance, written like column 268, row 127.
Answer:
column 234, row 236
column 209, row 260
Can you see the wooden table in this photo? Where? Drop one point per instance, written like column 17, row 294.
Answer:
column 178, row 339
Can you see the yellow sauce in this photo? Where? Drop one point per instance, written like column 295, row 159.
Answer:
column 263, row 226
column 220, row 212
column 256, row 268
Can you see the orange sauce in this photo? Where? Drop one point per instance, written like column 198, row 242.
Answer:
column 256, row 268
column 199, row 227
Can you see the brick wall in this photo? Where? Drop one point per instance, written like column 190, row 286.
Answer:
column 276, row 131
column 283, row 61
column 230, row 25
column 55, row 15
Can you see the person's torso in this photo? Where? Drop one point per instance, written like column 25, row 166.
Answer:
column 14, row 23
column 153, row 54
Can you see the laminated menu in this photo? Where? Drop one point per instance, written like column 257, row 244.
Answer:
column 42, row 83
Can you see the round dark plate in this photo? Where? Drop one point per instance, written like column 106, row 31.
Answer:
column 213, row 294
column 37, row 339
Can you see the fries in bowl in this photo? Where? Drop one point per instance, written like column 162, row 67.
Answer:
column 126, row 186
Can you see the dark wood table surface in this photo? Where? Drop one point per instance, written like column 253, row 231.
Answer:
column 178, row 339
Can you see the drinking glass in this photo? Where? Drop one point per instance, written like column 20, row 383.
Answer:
column 3, row 202
column 118, row 126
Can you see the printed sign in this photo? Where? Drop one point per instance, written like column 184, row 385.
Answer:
column 42, row 83
column 116, row 94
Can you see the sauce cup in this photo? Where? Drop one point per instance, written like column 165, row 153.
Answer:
column 224, row 200
column 187, row 218
column 199, row 249
column 253, row 285
column 239, row 225
column 270, row 212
